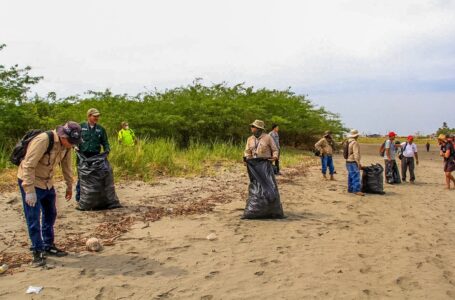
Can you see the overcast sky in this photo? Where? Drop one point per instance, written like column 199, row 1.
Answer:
column 382, row 65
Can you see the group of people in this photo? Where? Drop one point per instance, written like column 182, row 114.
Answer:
column 36, row 171
column 50, row 149
column 406, row 152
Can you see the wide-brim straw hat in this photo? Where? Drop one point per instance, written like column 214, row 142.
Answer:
column 442, row 137
column 258, row 124
column 353, row 133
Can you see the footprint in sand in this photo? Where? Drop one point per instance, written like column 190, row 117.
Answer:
column 406, row 283
column 212, row 274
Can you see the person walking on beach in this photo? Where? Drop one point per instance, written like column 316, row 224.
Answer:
column 126, row 135
column 35, row 178
column 353, row 163
column 260, row 144
column 276, row 138
column 326, row 146
column 94, row 136
column 427, row 145
column 410, row 158
column 447, row 152
column 391, row 168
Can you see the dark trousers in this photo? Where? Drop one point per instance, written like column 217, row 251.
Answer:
column 78, row 184
column 407, row 162
column 392, row 174
column 276, row 168
column 41, row 218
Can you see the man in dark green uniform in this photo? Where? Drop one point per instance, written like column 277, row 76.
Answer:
column 94, row 137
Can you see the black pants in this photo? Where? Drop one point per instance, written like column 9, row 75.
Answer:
column 407, row 162
column 392, row 174
column 276, row 168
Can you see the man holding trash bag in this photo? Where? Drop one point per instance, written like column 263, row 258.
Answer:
column 94, row 136
column 35, row 178
column 263, row 199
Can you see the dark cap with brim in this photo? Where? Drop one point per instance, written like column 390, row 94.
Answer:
column 71, row 131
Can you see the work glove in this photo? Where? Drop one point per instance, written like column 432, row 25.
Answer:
column 30, row 199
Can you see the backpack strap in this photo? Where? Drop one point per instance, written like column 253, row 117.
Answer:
column 50, row 135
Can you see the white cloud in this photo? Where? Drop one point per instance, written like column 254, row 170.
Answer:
column 310, row 45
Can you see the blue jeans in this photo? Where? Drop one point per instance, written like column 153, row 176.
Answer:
column 41, row 218
column 327, row 161
column 354, row 185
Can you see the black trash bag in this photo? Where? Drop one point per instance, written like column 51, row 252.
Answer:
column 263, row 198
column 373, row 179
column 392, row 174
column 97, row 183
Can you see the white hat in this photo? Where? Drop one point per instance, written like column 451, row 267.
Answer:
column 353, row 133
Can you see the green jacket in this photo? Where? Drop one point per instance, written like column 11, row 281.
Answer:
column 126, row 137
column 93, row 139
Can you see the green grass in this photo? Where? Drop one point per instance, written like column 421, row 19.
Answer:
column 151, row 158
column 4, row 158
column 380, row 140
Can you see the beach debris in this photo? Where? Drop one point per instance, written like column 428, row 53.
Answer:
column 93, row 244
column 212, row 237
column 4, row 268
column 34, row 290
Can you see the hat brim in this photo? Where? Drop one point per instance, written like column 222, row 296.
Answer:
column 95, row 114
column 254, row 125
column 353, row 135
column 61, row 133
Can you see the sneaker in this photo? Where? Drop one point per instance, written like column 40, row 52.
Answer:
column 54, row 251
column 39, row 259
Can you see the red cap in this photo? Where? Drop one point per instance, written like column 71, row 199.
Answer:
column 410, row 138
column 391, row 134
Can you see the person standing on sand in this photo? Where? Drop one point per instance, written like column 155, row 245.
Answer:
column 427, row 145
column 325, row 146
column 447, row 151
column 353, row 163
column 260, row 144
column 410, row 156
column 276, row 139
column 392, row 174
column 94, row 136
column 35, row 179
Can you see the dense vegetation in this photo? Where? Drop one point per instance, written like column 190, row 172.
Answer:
column 195, row 112
column 194, row 119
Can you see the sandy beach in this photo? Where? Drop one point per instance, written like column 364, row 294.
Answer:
column 332, row 245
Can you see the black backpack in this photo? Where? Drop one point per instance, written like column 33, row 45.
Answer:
column 20, row 149
column 346, row 149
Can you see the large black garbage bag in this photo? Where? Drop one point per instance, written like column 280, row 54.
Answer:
column 372, row 179
column 392, row 174
column 97, row 183
column 263, row 198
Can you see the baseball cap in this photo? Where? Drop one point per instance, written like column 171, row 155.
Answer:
column 72, row 131
column 93, row 112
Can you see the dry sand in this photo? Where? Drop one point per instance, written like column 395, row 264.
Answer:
column 333, row 245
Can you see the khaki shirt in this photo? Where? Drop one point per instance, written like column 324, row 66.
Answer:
column 354, row 151
column 37, row 168
column 324, row 147
column 264, row 146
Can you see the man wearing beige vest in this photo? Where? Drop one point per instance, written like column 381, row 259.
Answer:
column 36, row 184
column 260, row 144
